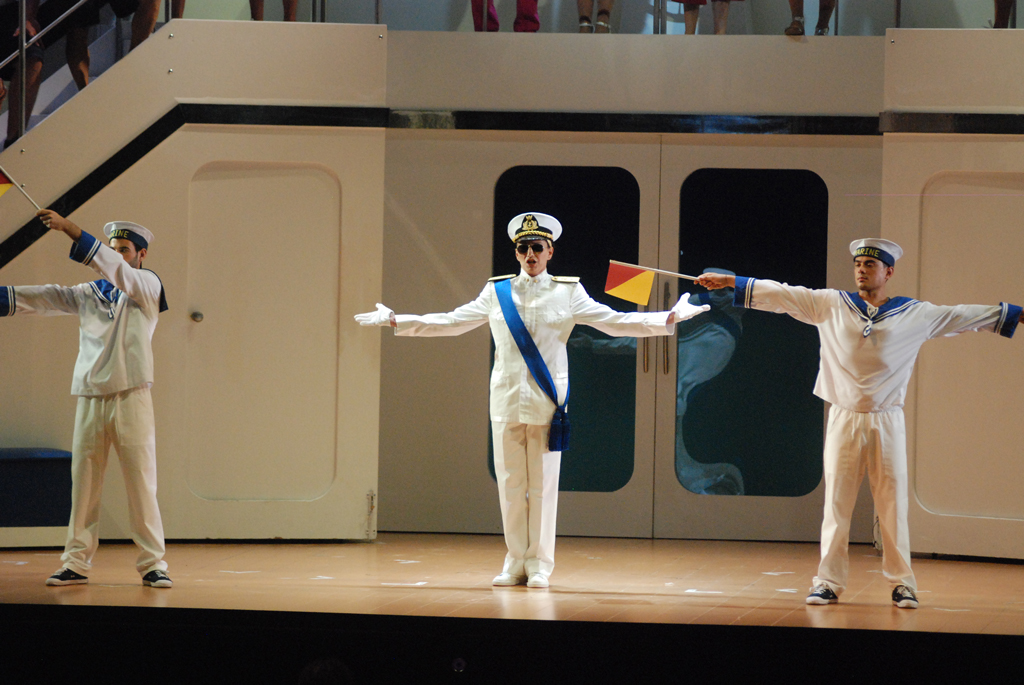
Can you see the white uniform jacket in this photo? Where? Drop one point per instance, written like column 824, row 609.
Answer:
column 867, row 373
column 550, row 308
column 117, row 316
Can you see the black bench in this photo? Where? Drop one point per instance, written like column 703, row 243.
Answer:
column 35, row 487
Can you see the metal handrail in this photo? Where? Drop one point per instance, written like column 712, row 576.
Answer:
column 13, row 56
column 23, row 45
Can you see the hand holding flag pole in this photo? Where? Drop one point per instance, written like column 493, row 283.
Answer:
column 632, row 282
column 6, row 182
column 657, row 271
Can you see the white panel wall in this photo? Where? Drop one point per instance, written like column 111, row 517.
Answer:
column 670, row 74
column 954, row 71
column 336, row 458
column 955, row 202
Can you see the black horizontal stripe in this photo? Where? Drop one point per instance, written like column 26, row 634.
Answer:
column 951, row 122
column 289, row 115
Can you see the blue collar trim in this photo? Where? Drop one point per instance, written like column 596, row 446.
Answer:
column 106, row 291
column 895, row 305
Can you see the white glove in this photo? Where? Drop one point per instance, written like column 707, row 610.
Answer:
column 382, row 317
column 684, row 310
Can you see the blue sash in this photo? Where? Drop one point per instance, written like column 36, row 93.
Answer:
column 558, row 438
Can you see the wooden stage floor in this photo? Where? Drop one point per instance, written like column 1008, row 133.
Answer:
column 596, row 580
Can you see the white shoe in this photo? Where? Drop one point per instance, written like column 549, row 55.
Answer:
column 537, row 580
column 507, row 580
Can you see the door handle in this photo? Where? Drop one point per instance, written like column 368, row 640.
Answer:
column 667, row 299
column 647, row 360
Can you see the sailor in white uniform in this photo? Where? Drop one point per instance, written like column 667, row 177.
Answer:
column 112, row 378
column 869, row 343
column 521, row 413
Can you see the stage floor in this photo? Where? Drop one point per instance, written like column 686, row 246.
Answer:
column 597, row 580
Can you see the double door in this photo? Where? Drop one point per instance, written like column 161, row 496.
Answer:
column 725, row 432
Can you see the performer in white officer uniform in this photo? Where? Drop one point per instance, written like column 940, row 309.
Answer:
column 113, row 374
column 869, row 343
column 521, row 412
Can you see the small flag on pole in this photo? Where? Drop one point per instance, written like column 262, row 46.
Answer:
column 631, row 283
column 5, row 184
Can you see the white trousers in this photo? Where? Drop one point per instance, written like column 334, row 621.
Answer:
column 123, row 420
column 527, row 475
column 855, row 442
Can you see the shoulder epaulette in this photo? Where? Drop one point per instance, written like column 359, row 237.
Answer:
column 500, row 278
column 565, row 279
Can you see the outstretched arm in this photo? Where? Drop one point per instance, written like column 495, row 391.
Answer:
column 950, row 321
column 41, row 300
column 588, row 311
column 803, row 304
column 465, row 318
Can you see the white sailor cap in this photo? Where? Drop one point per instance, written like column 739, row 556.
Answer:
column 534, row 226
column 886, row 251
column 127, row 230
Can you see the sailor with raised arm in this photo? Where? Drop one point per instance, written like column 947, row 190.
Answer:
column 117, row 316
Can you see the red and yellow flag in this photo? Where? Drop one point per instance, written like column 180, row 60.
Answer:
column 5, row 183
column 630, row 283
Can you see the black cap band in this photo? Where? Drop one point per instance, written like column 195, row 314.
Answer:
column 875, row 253
column 125, row 234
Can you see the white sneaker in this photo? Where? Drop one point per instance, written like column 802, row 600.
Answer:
column 507, row 580
column 537, row 580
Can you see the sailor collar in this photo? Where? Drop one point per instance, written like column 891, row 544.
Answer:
column 107, row 293
column 894, row 306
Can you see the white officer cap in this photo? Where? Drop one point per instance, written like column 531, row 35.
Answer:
column 533, row 226
column 886, row 251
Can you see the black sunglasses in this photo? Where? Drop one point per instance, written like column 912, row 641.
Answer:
column 523, row 248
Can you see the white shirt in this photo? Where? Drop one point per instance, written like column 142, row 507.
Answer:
column 117, row 318
column 867, row 373
column 550, row 307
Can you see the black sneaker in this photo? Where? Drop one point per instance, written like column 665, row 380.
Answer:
column 157, row 579
column 66, row 576
column 822, row 594
column 904, row 597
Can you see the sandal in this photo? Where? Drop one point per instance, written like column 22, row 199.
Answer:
column 796, row 28
column 602, row 25
column 821, row 30
column 585, row 25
